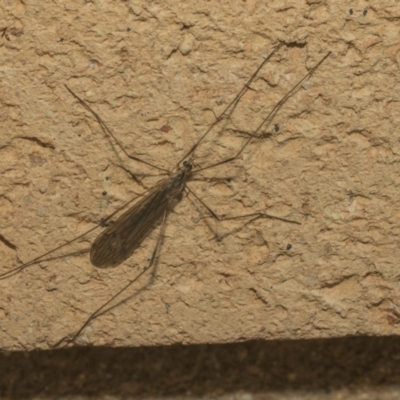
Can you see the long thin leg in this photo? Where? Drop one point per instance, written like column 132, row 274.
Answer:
column 253, row 216
column 232, row 105
column 106, row 130
column 268, row 118
column 40, row 258
column 106, row 307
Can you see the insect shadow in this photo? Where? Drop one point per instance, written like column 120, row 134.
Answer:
column 121, row 238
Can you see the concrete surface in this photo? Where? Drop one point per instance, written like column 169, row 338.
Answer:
column 158, row 73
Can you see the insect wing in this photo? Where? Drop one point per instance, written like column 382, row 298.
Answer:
column 123, row 237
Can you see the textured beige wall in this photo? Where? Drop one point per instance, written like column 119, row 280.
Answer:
column 157, row 72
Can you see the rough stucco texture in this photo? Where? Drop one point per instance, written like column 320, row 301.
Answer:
column 158, row 73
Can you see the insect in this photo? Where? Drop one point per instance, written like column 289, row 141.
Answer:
column 121, row 238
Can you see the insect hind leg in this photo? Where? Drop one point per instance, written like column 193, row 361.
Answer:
column 110, row 304
column 250, row 216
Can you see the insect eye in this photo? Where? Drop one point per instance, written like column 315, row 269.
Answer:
column 188, row 165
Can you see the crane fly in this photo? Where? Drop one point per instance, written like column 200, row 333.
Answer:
column 117, row 243
column 121, row 238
